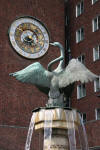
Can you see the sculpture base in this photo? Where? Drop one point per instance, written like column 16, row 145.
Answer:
column 62, row 118
column 59, row 140
column 56, row 123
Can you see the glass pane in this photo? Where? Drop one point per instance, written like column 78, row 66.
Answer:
column 82, row 59
column 82, row 33
column 97, row 85
column 94, row 1
column 96, row 52
column 78, row 10
column 95, row 24
column 79, row 58
column 83, row 90
column 84, row 117
column 78, row 35
column 79, row 91
column 98, row 22
column 98, row 113
column 66, row 20
column 82, row 7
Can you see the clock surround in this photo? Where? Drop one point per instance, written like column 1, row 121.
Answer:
column 29, row 37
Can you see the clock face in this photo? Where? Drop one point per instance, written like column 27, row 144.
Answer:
column 29, row 37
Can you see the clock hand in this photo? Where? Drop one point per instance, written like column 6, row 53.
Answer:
column 28, row 39
column 19, row 29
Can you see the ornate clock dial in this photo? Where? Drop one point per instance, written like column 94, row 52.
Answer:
column 29, row 37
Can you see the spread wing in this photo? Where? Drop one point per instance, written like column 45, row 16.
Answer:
column 75, row 71
column 34, row 74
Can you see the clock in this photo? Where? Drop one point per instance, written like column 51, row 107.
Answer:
column 29, row 37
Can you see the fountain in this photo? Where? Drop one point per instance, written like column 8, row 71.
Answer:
column 63, row 127
column 60, row 126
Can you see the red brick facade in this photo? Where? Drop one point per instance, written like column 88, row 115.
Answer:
column 91, row 101
column 17, row 100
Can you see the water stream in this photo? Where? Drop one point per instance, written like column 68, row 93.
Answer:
column 30, row 132
column 70, row 115
column 48, row 129
column 82, row 135
column 72, row 131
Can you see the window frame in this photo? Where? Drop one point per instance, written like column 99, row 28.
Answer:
column 97, row 89
column 79, row 36
column 80, row 91
column 81, row 58
column 93, row 2
column 67, row 45
column 98, row 52
column 96, row 114
column 82, row 116
column 97, row 24
column 81, row 10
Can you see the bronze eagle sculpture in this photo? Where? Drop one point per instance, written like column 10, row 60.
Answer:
column 56, row 82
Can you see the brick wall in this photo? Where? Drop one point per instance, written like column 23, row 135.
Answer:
column 93, row 133
column 91, row 39
column 17, row 100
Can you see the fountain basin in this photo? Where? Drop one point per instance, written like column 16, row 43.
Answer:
column 62, row 118
column 59, row 125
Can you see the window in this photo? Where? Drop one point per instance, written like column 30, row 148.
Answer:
column 94, row 1
column 82, row 59
column 67, row 45
column 66, row 20
column 97, row 113
column 79, row 8
column 96, row 53
column 97, row 85
column 96, row 24
column 81, row 91
column 68, row 100
column 83, row 116
column 79, row 35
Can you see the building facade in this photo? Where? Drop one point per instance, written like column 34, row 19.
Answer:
column 17, row 100
column 83, row 42
column 73, row 23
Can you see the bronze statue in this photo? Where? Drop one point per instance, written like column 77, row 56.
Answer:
column 56, row 82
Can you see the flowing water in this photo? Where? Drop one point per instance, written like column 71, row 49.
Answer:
column 72, row 132
column 48, row 129
column 30, row 132
column 71, row 117
column 82, row 135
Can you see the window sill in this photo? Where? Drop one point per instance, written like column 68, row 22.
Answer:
column 79, row 15
column 98, row 95
column 94, row 3
column 95, row 30
column 79, row 41
column 96, row 60
column 81, row 97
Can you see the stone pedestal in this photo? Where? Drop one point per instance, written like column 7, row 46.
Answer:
column 58, row 121
column 59, row 140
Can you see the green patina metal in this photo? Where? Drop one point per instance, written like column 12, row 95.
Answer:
column 58, row 84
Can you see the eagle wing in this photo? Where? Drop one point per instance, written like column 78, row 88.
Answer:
column 35, row 74
column 75, row 71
